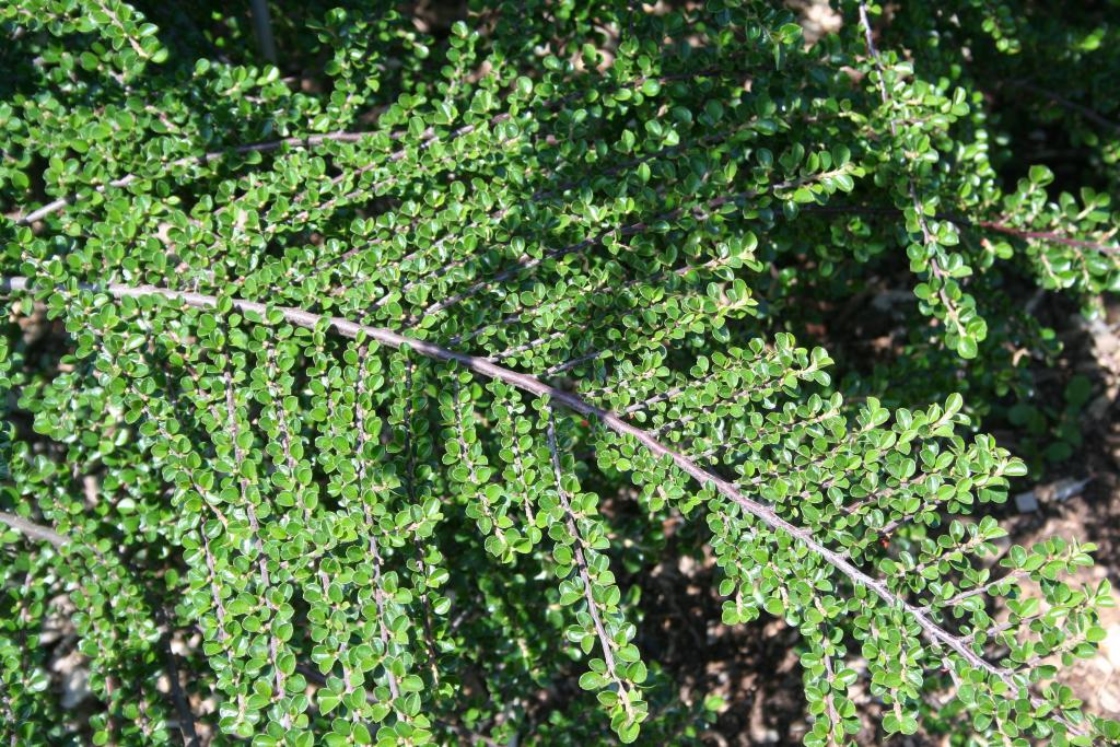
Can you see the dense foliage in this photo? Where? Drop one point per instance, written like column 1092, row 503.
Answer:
column 322, row 377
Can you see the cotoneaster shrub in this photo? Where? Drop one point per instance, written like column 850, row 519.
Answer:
column 316, row 384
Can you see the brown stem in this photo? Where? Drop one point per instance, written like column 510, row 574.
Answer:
column 33, row 530
column 933, row 632
column 1062, row 101
column 124, row 181
column 991, row 225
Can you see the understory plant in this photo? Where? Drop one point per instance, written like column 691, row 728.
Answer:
column 328, row 383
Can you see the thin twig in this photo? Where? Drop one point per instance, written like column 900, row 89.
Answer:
column 1057, row 238
column 951, row 309
column 1081, row 109
column 580, row 559
column 933, row 632
column 262, row 24
column 959, row 220
column 186, row 715
column 33, row 530
column 124, row 181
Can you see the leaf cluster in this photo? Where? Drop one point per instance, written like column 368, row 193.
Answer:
column 344, row 374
